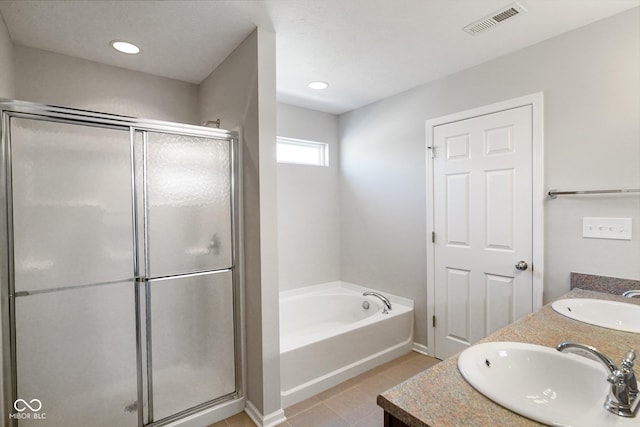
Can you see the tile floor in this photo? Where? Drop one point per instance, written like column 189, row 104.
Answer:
column 351, row 403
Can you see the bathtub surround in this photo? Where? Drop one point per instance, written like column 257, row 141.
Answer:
column 328, row 336
column 590, row 82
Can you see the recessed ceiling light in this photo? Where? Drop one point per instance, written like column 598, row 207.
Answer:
column 125, row 47
column 318, row 85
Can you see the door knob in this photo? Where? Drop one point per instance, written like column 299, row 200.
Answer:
column 522, row 266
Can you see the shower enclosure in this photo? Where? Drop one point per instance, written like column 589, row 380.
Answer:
column 119, row 268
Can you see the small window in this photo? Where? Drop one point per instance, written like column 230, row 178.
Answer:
column 302, row 152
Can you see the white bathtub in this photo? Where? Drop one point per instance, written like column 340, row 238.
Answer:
column 327, row 337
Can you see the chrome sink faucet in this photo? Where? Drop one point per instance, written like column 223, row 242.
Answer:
column 623, row 398
column 385, row 300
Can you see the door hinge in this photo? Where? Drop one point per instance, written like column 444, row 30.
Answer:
column 433, row 321
column 433, row 237
column 433, row 151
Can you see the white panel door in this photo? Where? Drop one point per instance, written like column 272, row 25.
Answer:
column 483, row 226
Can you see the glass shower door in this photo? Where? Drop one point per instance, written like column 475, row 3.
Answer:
column 188, row 212
column 187, row 193
column 75, row 336
column 119, row 282
column 192, row 340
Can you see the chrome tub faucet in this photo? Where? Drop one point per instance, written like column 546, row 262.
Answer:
column 385, row 300
column 623, row 398
column 631, row 293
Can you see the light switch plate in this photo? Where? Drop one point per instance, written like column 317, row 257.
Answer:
column 607, row 228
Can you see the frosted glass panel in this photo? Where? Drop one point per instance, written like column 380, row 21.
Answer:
column 73, row 241
column 76, row 353
column 72, row 204
column 192, row 341
column 189, row 214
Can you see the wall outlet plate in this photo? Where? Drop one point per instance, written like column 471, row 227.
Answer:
column 607, row 228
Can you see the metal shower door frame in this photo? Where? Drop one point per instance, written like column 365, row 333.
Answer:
column 135, row 127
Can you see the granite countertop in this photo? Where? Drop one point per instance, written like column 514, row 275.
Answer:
column 440, row 396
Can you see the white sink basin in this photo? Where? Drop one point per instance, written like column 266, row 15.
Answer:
column 608, row 314
column 542, row 384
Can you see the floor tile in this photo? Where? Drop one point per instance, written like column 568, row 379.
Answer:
column 299, row 407
column 424, row 361
column 352, row 405
column 318, row 416
column 376, row 384
column 410, row 368
column 375, row 419
column 403, row 358
column 240, row 420
column 333, row 391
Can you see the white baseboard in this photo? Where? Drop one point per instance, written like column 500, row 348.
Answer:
column 270, row 420
column 420, row 348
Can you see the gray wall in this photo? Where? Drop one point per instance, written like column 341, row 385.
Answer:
column 241, row 92
column 591, row 80
column 6, row 62
column 308, row 203
column 55, row 79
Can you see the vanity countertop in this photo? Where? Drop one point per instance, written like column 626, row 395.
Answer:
column 440, row 396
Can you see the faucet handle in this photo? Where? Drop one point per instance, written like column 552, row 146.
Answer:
column 626, row 366
column 616, row 378
column 629, row 357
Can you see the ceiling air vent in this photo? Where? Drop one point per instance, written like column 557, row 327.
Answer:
column 494, row 19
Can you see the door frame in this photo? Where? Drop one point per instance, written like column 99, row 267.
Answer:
column 536, row 101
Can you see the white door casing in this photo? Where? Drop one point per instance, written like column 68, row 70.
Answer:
column 485, row 204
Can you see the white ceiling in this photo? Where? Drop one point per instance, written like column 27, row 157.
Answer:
column 366, row 49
